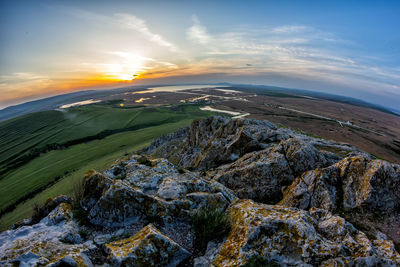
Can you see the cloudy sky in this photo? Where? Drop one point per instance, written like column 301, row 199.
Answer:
column 344, row 47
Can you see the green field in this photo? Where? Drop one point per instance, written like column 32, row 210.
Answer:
column 53, row 172
column 25, row 137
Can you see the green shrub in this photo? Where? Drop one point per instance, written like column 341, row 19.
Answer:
column 81, row 216
column 210, row 223
column 259, row 261
column 145, row 161
column 77, row 193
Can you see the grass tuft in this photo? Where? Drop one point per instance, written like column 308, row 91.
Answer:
column 210, row 223
column 77, row 193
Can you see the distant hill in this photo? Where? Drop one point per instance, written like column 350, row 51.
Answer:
column 301, row 92
column 56, row 101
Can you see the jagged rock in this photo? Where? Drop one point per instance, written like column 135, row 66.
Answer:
column 148, row 247
column 214, row 141
column 354, row 182
column 261, row 175
column 155, row 191
column 169, row 145
column 294, row 237
column 255, row 159
column 45, row 243
column 258, row 175
column 212, row 251
column 41, row 212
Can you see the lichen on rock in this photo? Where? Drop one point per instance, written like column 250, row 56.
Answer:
column 148, row 247
column 328, row 204
column 296, row 237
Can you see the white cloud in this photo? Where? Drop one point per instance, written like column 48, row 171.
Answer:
column 198, row 33
column 132, row 22
column 292, row 50
column 291, row 29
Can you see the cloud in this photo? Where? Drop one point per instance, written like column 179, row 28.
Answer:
column 198, row 33
column 289, row 50
column 291, row 29
column 132, row 22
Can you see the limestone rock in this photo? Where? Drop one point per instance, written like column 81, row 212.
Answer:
column 148, row 247
column 354, row 182
column 155, row 191
column 261, row 175
column 294, row 237
column 258, row 175
column 215, row 141
column 44, row 243
column 212, row 251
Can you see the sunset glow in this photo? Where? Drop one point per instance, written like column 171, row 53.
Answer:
column 65, row 47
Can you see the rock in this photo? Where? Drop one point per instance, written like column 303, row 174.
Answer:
column 152, row 192
column 258, row 175
column 148, row 247
column 331, row 199
column 354, row 182
column 261, row 175
column 50, row 204
column 44, row 243
column 289, row 236
column 212, row 251
column 215, row 141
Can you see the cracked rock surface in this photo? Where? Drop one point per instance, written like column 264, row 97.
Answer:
column 291, row 199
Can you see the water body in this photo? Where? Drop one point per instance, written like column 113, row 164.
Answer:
column 175, row 88
column 80, row 103
column 236, row 115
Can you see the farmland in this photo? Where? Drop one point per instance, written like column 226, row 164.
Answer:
column 122, row 131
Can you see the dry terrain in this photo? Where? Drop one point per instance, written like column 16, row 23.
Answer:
column 369, row 129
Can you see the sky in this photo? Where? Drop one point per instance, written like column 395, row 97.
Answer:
column 349, row 48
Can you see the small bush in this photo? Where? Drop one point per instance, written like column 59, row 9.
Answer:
column 145, row 161
column 259, row 261
column 210, row 223
column 38, row 212
column 77, row 194
column 81, row 216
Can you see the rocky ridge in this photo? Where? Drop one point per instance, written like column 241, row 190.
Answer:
column 291, row 199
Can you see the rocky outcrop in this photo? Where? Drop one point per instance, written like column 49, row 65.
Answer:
column 148, row 247
column 263, row 174
column 150, row 188
column 215, row 141
column 354, row 182
column 294, row 237
column 139, row 212
column 54, row 241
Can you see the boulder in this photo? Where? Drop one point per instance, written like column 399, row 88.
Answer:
column 294, row 237
column 354, row 182
column 148, row 247
column 54, row 241
column 262, row 175
column 259, row 176
column 152, row 190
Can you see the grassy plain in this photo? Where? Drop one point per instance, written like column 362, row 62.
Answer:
column 55, row 172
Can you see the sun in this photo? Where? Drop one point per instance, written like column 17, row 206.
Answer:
column 125, row 77
column 125, row 67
